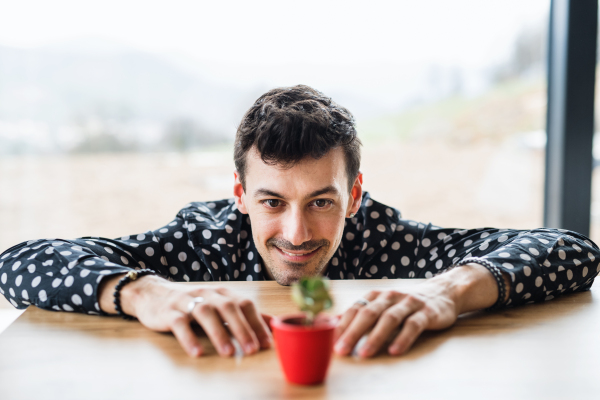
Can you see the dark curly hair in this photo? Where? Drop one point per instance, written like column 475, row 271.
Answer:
column 291, row 123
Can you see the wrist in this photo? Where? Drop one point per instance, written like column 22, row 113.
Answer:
column 136, row 292
column 471, row 287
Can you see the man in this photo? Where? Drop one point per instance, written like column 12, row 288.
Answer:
column 299, row 209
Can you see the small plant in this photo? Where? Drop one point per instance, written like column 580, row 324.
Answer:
column 311, row 294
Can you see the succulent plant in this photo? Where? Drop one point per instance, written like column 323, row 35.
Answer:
column 311, row 294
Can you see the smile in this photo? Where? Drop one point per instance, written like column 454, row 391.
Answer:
column 297, row 257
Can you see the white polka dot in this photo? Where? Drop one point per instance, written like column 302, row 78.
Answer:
column 584, row 272
column 69, row 281
column 257, row 268
column 539, row 281
column 468, row 243
column 76, row 299
column 527, row 270
column 163, row 260
column 250, row 255
column 569, row 274
column 484, row 245
column 90, row 243
column 173, row 270
column 214, row 265
column 20, row 279
column 370, row 251
column 384, row 257
column 16, row 265
column 525, row 257
column 56, row 282
column 502, row 238
column 192, row 228
column 163, row 230
column 334, row 261
column 381, row 228
column 591, row 257
column 84, row 273
column 206, row 233
column 141, row 237
column 149, row 251
column 439, row 264
column 408, row 237
column 168, row 247
column 178, row 235
column 395, row 246
column 243, row 234
column 451, row 253
column 519, row 288
column 504, row 254
column 552, row 276
column 421, row 263
column 249, row 278
column 577, row 248
column 534, row 251
column 426, row 242
column 228, row 229
column 108, row 250
column 366, row 233
column 484, row 235
column 105, row 272
column 350, row 236
column 508, row 265
column 88, row 289
column 562, row 254
column 12, row 292
column 42, row 295
column 576, row 262
column 405, row 261
column 374, row 215
column 36, row 281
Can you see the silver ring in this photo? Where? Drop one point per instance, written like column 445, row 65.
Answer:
column 193, row 303
column 362, row 301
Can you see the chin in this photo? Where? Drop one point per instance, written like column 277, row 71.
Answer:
column 287, row 276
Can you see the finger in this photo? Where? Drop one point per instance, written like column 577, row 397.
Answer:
column 257, row 323
column 185, row 336
column 267, row 318
column 206, row 315
column 389, row 321
column 364, row 320
column 231, row 313
column 350, row 313
column 413, row 327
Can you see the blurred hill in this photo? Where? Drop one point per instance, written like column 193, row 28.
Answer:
column 88, row 89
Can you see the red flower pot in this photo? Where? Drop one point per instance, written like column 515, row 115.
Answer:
column 304, row 350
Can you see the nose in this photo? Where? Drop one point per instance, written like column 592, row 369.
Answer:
column 296, row 227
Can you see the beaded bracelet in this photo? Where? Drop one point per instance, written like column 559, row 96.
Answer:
column 130, row 276
column 496, row 272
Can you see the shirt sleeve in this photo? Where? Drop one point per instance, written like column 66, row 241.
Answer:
column 64, row 275
column 542, row 263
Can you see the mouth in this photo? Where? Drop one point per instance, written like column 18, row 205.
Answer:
column 297, row 256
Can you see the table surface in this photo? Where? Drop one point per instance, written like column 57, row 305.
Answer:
column 549, row 350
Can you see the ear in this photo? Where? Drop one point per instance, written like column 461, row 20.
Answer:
column 240, row 195
column 356, row 195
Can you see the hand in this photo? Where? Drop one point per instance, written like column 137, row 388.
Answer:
column 161, row 305
column 435, row 304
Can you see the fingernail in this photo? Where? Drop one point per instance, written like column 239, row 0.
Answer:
column 250, row 348
column 227, row 349
column 366, row 350
column 394, row 349
column 196, row 351
column 341, row 348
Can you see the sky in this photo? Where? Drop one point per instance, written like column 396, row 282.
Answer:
column 277, row 41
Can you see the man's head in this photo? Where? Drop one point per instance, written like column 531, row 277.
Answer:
column 297, row 158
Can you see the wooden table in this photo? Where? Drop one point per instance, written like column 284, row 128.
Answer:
column 541, row 351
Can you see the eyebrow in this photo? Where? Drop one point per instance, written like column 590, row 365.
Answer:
column 327, row 189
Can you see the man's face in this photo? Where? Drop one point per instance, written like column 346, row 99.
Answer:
column 297, row 214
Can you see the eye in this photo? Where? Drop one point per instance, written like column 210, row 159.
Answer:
column 272, row 203
column 322, row 203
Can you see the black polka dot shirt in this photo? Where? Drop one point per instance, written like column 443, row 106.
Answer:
column 212, row 241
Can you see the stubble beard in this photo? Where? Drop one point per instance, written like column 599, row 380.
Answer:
column 291, row 272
